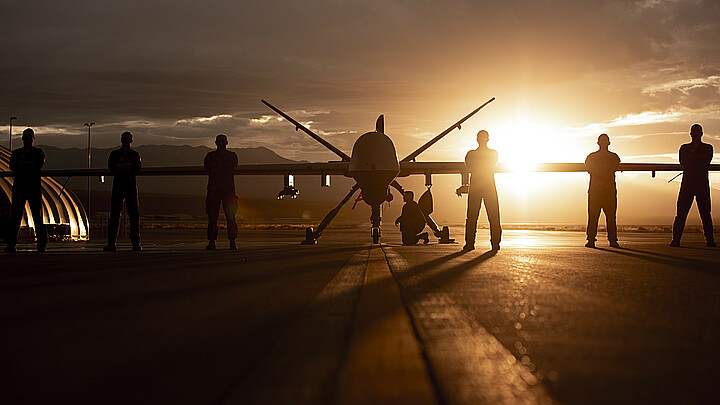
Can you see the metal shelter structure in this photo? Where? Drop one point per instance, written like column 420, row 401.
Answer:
column 62, row 210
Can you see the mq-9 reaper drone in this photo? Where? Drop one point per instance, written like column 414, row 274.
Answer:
column 375, row 168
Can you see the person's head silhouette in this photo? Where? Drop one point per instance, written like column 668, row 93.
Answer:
column 696, row 132
column 221, row 141
column 483, row 137
column 603, row 141
column 28, row 137
column 408, row 196
column 126, row 139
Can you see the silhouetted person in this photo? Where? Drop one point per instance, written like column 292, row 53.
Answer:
column 221, row 164
column 25, row 163
column 602, row 192
column 481, row 163
column 124, row 163
column 695, row 160
column 412, row 221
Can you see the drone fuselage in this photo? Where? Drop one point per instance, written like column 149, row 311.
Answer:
column 374, row 165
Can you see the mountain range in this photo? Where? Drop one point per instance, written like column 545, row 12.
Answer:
column 562, row 199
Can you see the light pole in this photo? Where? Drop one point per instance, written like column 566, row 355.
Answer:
column 88, row 177
column 11, row 120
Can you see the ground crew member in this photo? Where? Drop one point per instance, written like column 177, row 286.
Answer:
column 602, row 192
column 25, row 163
column 221, row 164
column 412, row 221
column 695, row 158
column 124, row 163
column 481, row 164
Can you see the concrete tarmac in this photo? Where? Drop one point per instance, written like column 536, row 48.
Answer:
column 544, row 320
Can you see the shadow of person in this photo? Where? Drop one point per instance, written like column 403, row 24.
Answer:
column 423, row 276
column 685, row 263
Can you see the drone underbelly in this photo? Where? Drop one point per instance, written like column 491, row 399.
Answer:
column 374, row 184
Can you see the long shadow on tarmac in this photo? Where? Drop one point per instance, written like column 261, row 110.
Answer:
column 445, row 276
column 231, row 281
column 25, row 265
column 668, row 260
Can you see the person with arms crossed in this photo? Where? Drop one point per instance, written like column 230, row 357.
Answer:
column 695, row 158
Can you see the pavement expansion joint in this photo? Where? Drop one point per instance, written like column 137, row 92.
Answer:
column 302, row 366
column 384, row 363
column 468, row 364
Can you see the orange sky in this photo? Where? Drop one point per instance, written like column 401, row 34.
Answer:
column 180, row 72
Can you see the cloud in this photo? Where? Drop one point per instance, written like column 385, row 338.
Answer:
column 684, row 84
column 184, row 71
column 264, row 119
column 202, row 120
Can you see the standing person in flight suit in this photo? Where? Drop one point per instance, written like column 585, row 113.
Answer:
column 602, row 192
column 481, row 164
column 124, row 163
column 695, row 158
column 25, row 164
column 411, row 221
column 221, row 164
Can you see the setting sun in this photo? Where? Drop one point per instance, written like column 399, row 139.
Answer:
column 524, row 142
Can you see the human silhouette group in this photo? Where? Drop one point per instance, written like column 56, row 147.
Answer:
column 695, row 159
column 125, row 163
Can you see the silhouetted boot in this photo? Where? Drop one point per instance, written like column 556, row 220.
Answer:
column 590, row 244
column 496, row 246
column 210, row 245
column 425, row 238
column 469, row 236
column 42, row 248
column 710, row 243
column 109, row 248
column 675, row 243
column 233, row 246
column 613, row 243
column 136, row 248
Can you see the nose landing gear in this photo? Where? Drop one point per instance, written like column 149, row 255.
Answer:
column 375, row 232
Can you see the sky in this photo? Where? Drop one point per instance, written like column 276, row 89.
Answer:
column 179, row 72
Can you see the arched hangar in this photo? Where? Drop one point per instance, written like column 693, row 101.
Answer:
column 62, row 210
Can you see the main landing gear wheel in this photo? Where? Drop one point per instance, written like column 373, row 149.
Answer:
column 375, row 232
column 310, row 238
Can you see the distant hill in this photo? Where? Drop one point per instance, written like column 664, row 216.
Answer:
column 155, row 155
column 185, row 194
column 642, row 200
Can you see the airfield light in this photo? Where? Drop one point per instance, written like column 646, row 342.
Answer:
column 11, row 120
column 89, row 157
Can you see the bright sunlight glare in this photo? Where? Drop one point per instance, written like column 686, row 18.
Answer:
column 523, row 142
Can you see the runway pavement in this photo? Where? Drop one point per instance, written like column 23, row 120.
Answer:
column 544, row 320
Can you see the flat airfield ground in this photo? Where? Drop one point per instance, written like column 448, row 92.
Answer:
column 544, row 320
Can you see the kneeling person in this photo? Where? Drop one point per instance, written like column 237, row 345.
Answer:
column 411, row 221
column 220, row 165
